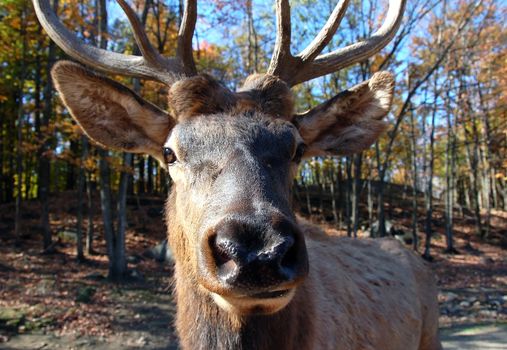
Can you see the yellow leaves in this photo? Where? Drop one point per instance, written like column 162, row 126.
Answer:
column 314, row 164
column 401, row 176
column 376, row 61
column 328, row 162
column 68, row 127
column 89, row 164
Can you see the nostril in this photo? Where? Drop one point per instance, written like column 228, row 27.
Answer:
column 220, row 253
column 228, row 269
column 223, row 254
column 291, row 256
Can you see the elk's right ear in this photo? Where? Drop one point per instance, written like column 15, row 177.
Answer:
column 349, row 122
column 109, row 113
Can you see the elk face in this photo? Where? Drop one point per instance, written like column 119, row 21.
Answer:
column 232, row 157
column 231, row 199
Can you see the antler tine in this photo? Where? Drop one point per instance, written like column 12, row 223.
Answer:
column 149, row 53
column 357, row 52
column 185, row 34
column 150, row 66
column 326, row 33
column 282, row 58
column 309, row 63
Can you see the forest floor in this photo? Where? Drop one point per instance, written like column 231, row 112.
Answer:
column 51, row 301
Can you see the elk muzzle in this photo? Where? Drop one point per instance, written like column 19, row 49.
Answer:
column 253, row 265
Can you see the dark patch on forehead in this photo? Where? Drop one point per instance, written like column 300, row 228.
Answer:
column 217, row 135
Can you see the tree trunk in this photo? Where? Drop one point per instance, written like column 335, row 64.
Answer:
column 370, row 195
column 44, row 164
column 307, row 196
column 21, row 115
column 253, row 46
column 89, row 199
column 2, row 141
column 429, row 193
column 488, row 172
column 10, row 135
column 450, row 160
column 28, row 166
column 149, row 183
column 9, row 179
column 348, row 195
column 356, row 192
column 70, row 171
column 106, row 197
column 413, row 144
column 79, row 225
column 141, row 182
column 107, row 211
column 473, row 195
column 380, row 197
column 120, row 261
column 333, row 196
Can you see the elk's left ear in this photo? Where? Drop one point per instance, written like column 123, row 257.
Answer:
column 349, row 122
column 109, row 113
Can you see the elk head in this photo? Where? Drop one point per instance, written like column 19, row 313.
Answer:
column 232, row 155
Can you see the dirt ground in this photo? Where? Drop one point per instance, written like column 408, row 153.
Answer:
column 54, row 302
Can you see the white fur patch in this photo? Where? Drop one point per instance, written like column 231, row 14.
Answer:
column 245, row 305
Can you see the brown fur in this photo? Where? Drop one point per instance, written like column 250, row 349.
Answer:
column 199, row 95
column 202, row 94
column 267, row 93
column 359, row 294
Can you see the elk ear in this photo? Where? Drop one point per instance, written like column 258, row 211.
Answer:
column 349, row 122
column 109, row 113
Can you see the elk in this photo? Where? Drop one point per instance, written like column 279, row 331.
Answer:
column 249, row 274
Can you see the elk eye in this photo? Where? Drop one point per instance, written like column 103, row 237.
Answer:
column 169, row 155
column 299, row 153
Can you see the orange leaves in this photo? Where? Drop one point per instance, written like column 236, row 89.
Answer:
column 209, row 50
column 15, row 23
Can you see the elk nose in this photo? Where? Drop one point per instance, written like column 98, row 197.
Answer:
column 253, row 256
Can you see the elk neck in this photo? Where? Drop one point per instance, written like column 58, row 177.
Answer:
column 202, row 324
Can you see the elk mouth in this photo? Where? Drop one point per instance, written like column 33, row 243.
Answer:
column 263, row 303
column 270, row 295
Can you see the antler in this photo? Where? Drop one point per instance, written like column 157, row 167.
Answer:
column 151, row 65
column 309, row 63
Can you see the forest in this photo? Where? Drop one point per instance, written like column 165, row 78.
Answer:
column 82, row 229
